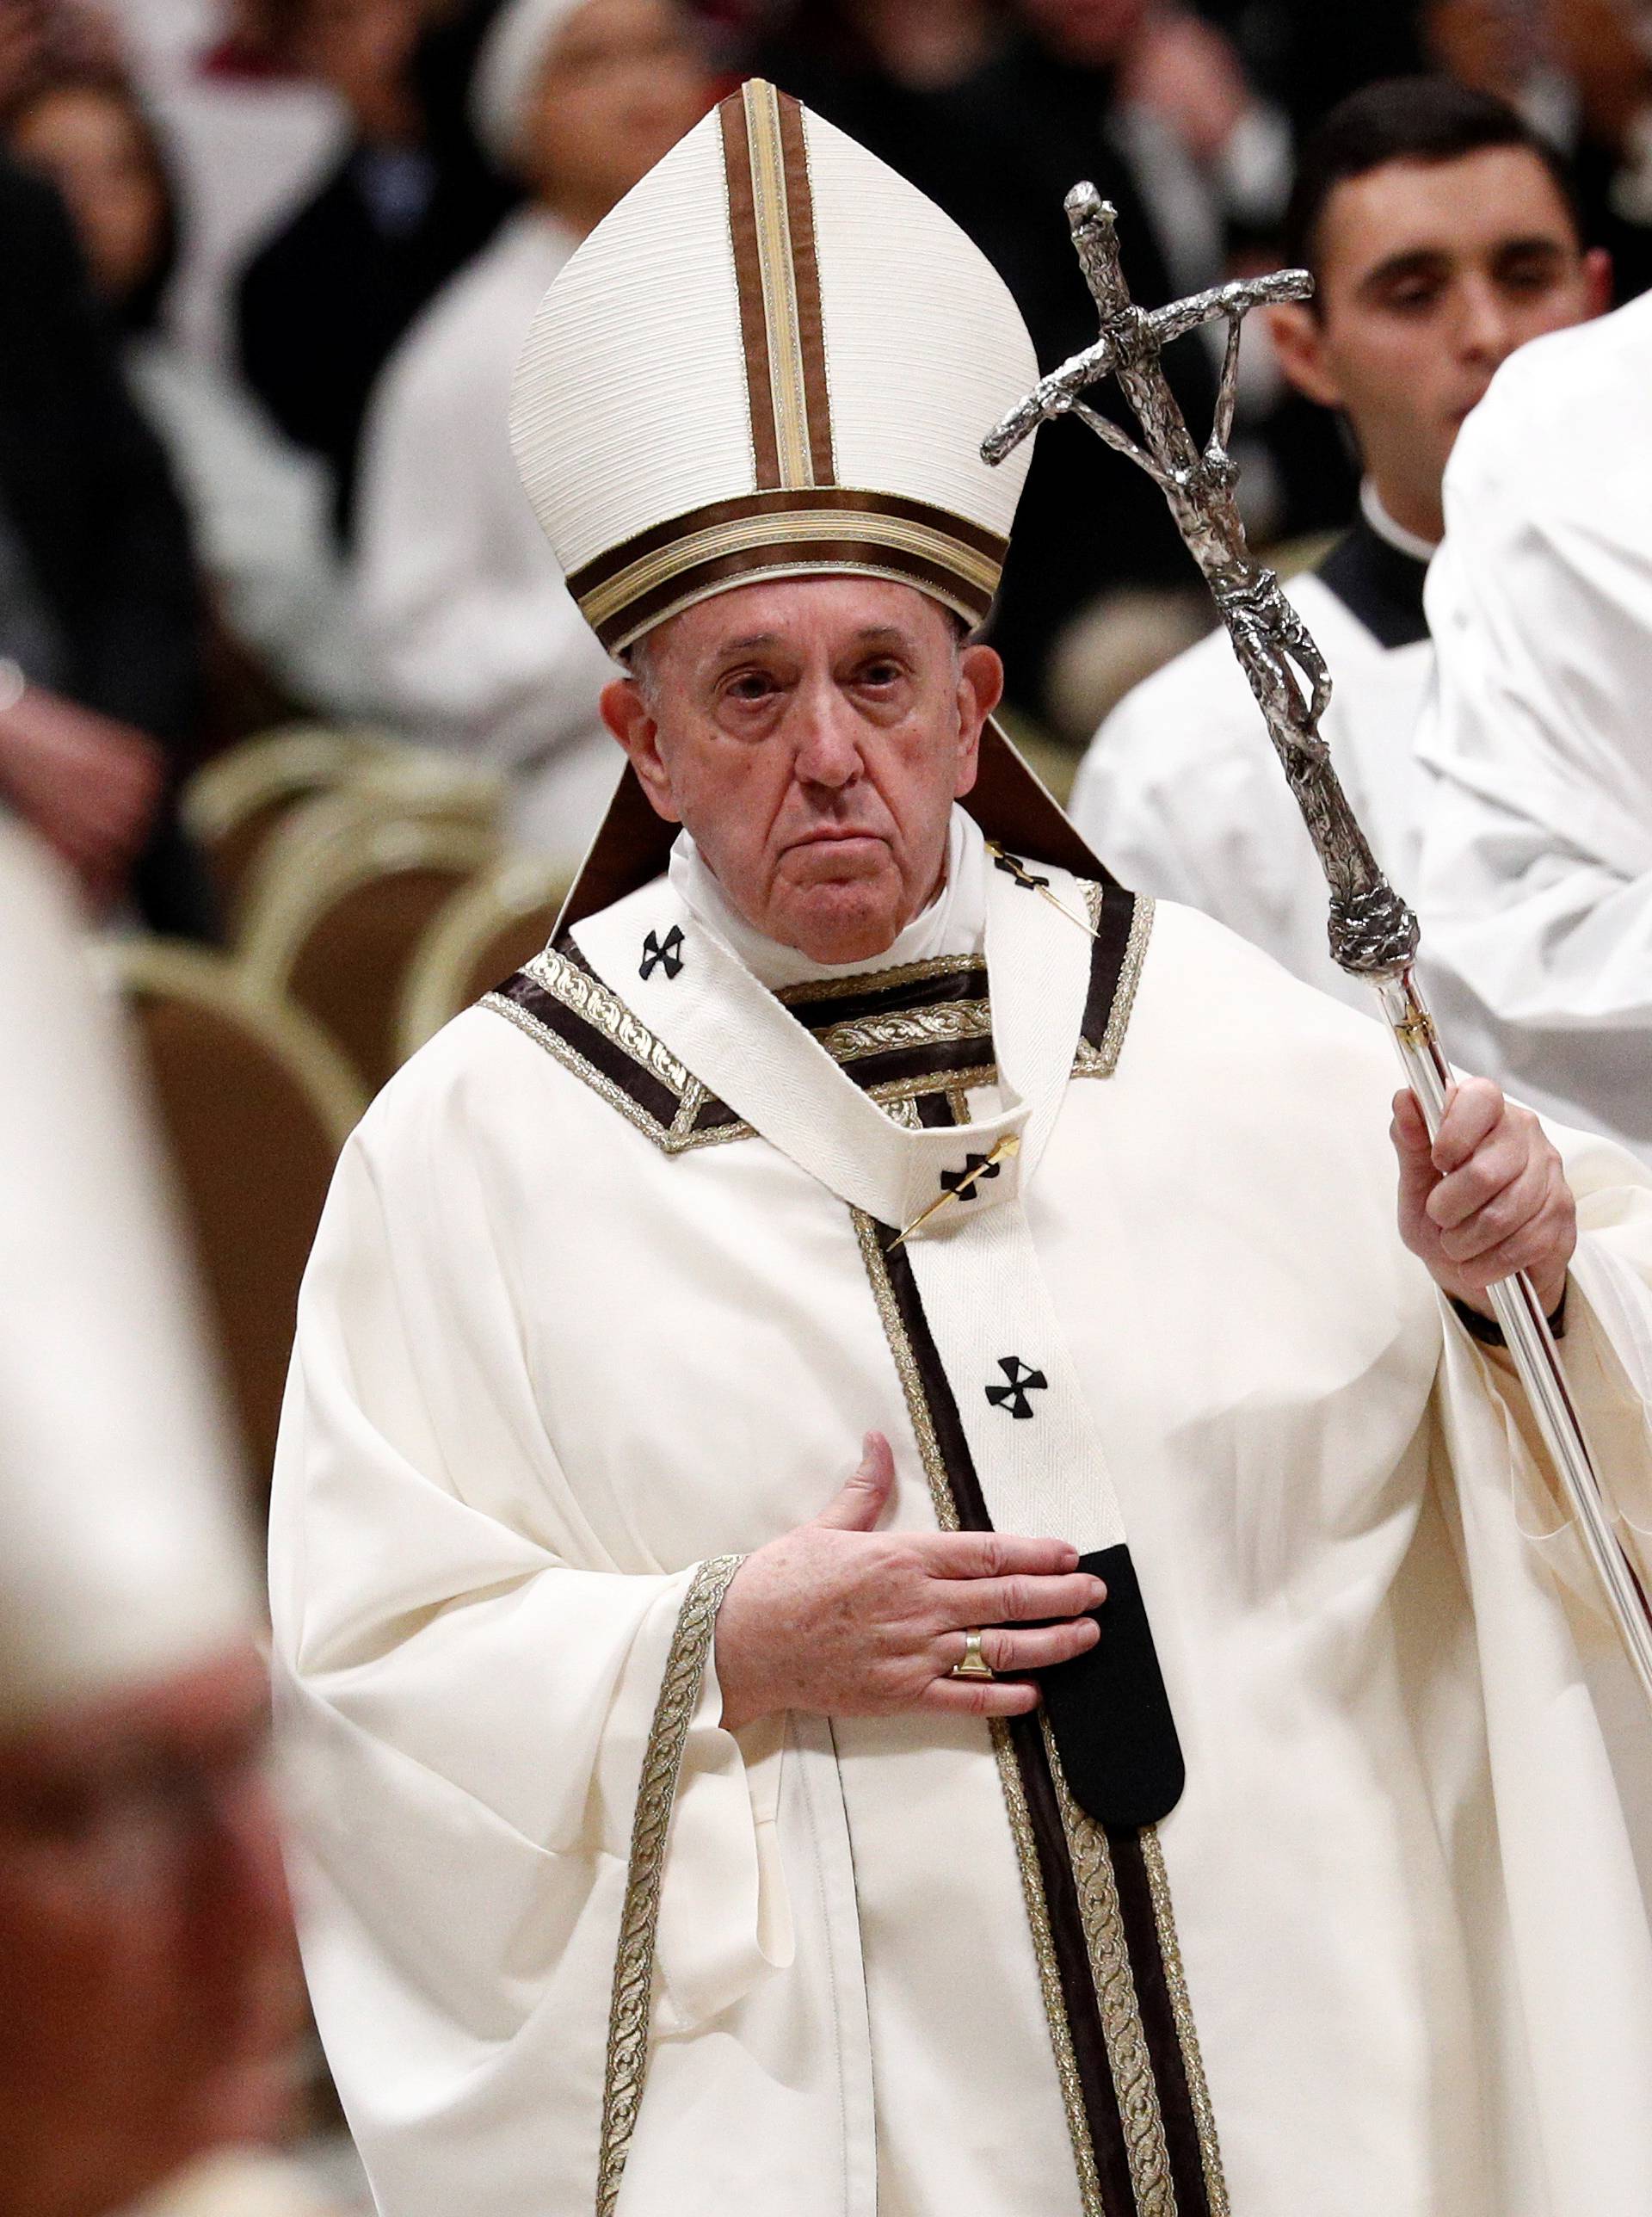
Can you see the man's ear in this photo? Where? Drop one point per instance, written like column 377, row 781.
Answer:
column 1298, row 338
column 1596, row 276
column 628, row 716
column 980, row 688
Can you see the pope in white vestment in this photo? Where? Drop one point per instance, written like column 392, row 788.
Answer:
column 1086, row 1207
column 1536, row 867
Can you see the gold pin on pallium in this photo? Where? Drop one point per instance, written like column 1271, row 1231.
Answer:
column 1018, row 870
column 1010, row 1145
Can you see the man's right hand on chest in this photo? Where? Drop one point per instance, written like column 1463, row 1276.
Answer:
column 839, row 1618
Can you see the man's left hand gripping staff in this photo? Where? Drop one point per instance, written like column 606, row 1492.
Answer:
column 1489, row 1198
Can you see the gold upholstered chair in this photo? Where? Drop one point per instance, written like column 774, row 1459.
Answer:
column 486, row 932
column 344, row 895
column 233, row 803
column 254, row 1103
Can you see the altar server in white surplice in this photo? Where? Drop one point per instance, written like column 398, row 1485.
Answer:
column 868, row 1258
column 1537, row 867
column 470, row 625
column 1442, row 233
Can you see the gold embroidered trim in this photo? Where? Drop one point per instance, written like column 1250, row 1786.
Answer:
column 588, row 997
column 906, row 1365
column 572, row 1059
column 852, row 1040
column 1043, row 1950
column 633, row 1970
column 879, row 981
column 907, row 1027
column 820, row 527
column 889, row 1093
column 1128, row 2056
column 1181, row 2009
column 1103, row 1061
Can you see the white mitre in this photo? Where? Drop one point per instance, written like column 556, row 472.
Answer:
column 122, row 1561
column 775, row 358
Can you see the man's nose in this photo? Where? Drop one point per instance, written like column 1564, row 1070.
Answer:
column 827, row 738
column 1488, row 332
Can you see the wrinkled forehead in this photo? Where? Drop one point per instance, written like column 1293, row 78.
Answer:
column 799, row 616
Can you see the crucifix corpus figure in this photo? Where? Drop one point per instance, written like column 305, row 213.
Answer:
column 1373, row 934
column 1372, row 931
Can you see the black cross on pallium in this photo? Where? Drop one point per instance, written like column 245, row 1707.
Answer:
column 1013, row 866
column 976, row 1169
column 666, row 955
column 1022, row 1381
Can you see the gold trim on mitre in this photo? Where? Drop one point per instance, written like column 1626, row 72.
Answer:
column 631, row 588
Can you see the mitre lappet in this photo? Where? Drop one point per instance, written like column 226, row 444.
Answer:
column 776, row 359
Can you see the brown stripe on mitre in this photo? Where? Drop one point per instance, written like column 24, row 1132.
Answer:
column 748, row 280
column 805, row 263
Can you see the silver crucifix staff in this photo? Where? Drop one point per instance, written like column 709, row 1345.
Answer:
column 1373, row 934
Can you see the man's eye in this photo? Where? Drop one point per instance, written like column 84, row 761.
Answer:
column 1413, row 299
column 1526, row 277
column 751, row 687
column 881, row 673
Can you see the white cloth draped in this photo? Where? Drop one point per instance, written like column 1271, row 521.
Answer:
column 477, row 643
column 1537, row 868
column 544, row 1368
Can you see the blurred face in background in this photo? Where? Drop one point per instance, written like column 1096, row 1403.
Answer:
column 622, row 83
column 149, row 1992
column 1090, row 33
column 87, row 141
column 363, row 50
column 1430, row 274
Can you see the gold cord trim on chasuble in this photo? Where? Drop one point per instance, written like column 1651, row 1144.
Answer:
column 920, row 1031
column 629, row 2013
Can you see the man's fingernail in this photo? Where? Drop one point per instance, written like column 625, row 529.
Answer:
column 1098, row 1587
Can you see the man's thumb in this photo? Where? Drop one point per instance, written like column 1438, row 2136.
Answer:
column 861, row 1503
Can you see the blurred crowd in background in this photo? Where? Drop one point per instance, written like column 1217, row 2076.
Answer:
column 272, row 260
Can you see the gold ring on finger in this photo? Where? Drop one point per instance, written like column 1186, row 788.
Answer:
column 971, row 1663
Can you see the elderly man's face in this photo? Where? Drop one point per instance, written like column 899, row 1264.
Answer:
column 149, row 1986
column 812, row 736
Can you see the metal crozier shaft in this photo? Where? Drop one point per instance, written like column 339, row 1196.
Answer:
column 1373, row 934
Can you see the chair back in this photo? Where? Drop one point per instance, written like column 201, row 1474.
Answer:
column 343, row 897
column 233, row 803
column 486, row 934
column 253, row 1104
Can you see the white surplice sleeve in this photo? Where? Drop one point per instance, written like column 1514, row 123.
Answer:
column 469, row 1674
column 1537, row 874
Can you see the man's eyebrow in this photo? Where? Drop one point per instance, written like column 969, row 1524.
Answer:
column 1428, row 261
column 1415, row 262
column 752, row 640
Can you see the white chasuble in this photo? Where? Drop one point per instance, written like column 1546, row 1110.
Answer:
column 610, row 1286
